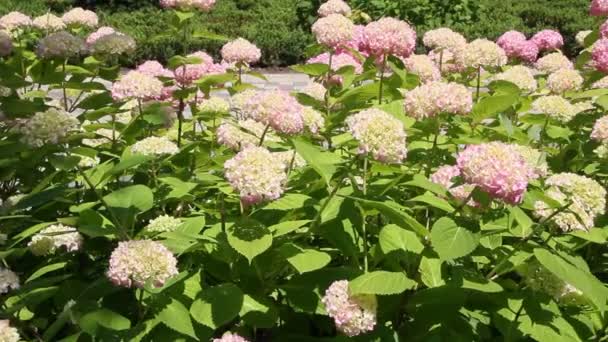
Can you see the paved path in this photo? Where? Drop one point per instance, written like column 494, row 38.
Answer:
column 284, row 81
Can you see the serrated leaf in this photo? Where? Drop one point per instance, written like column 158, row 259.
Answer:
column 249, row 238
column 104, row 318
column 395, row 238
column 395, row 213
column 217, row 305
column 179, row 188
column 127, row 203
column 451, row 241
column 325, row 163
column 524, row 223
column 381, row 283
column 258, row 313
column 287, row 227
column 304, row 260
column 290, row 202
column 433, row 201
column 430, row 271
column 177, row 317
column 312, row 69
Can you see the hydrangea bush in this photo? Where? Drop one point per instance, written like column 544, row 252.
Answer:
column 453, row 194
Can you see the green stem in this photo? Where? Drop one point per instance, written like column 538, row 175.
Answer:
column 180, row 122
column 65, row 93
column 364, row 218
column 441, row 62
column 380, row 91
column 327, row 84
column 478, row 83
column 264, row 135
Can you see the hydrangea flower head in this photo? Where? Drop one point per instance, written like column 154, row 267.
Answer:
column 443, row 39
column 313, row 120
column 423, row 66
column 102, row 31
column 230, row 337
column 496, row 168
column 556, row 107
column 599, row 55
column 586, row 199
column 483, row 53
column 55, row 237
column 600, row 130
column 433, row 98
column 154, row 69
column 155, row 146
column 163, row 223
column 389, row 36
column 48, row 22
column 334, row 7
column 445, row 175
column 564, row 80
column 15, row 20
column 599, row 7
column 553, row 62
column 60, row 44
column 8, row 280
column 137, row 85
column 548, row 40
column 333, row 31
column 8, row 333
column 50, row 127
column 189, row 73
column 78, row 16
column 256, row 174
column 353, row 315
column 521, row 76
column 202, row 5
column 214, row 104
column 241, row 51
column 315, row 90
column 137, row 262
column 582, row 35
column 380, row 134
column 231, row 135
column 114, row 44
column 278, row 109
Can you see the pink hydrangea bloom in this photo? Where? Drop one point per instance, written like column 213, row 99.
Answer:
column 256, row 174
column 338, row 61
column 600, row 130
column 496, row 168
column 553, row 62
column 603, row 31
column 353, row 315
column 444, row 176
column 447, row 60
column 482, row 53
column 15, row 20
column 203, row 5
column 49, row 22
column 137, row 262
column 137, row 85
column 230, row 337
column 433, row 98
column 102, row 31
column 278, row 109
column 423, row 66
column 189, row 73
column 507, row 38
column 517, row 46
column 334, row 7
column 333, row 31
column 81, row 17
column 599, row 7
column 357, row 42
column 233, row 136
column 600, row 55
column 389, row 36
column 380, row 134
column 154, row 69
column 548, row 40
column 241, row 51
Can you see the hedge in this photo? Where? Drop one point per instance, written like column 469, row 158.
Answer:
column 281, row 27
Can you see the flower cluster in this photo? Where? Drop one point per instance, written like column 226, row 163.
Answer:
column 380, row 134
column 535, row 160
column 136, row 85
column 445, row 175
column 6, row 44
column 423, row 66
column 515, row 45
column 50, row 127
column 230, row 337
column 155, row 146
column 8, row 280
column 521, row 76
column 389, row 36
column 49, row 22
column 313, row 120
column 447, row 60
column 286, row 157
column 333, row 31
column 163, row 223
column 433, row 98
column 600, row 55
column 15, row 20
column 482, row 53
column 353, row 315
column 444, row 39
column 548, row 40
column 540, row 279
column 214, row 105
column 334, row 7
column 105, row 136
column 231, row 135
column 599, row 7
column 80, row 17
column 241, row 51
column 60, row 44
column 256, row 174
column 55, row 237
column 338, row 61
column 8, row 333
column 202, row 5
column 564, row 80
column 600, row 130
column 191, row 72
column 277, row 109
column 102, row 31
column 136, row 263
column 556, row 107
column 582, row 199
column 496, row 168
column 154, row 69
column 113, row 44
column 316, row 91
column 553, row 62
column 581, row 36
column 87, row 162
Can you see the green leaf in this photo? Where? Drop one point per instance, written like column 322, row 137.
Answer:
column 587, row 283
column 127, row 202
column 217, row 305
column 129, row 161
column 177, row 317
column 249, row 237
column 304, row 260
column 325, row 163
column 492, row 105
column 103, row 318
column 430, row 271
column 290, row 202
column 395, row 238
column 360, row 96
column 313, row 69
column 287, row 227
column 395, row 213
column 433, row 201
column 46, row 269
column 210, row 35
column 179, row 188
column 258, row 313
column 94, row 224
column 451, row 241
column 381, row 283
column 192, row 225
column 524, row 223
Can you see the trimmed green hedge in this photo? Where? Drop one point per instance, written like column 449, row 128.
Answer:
column 281, row 27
